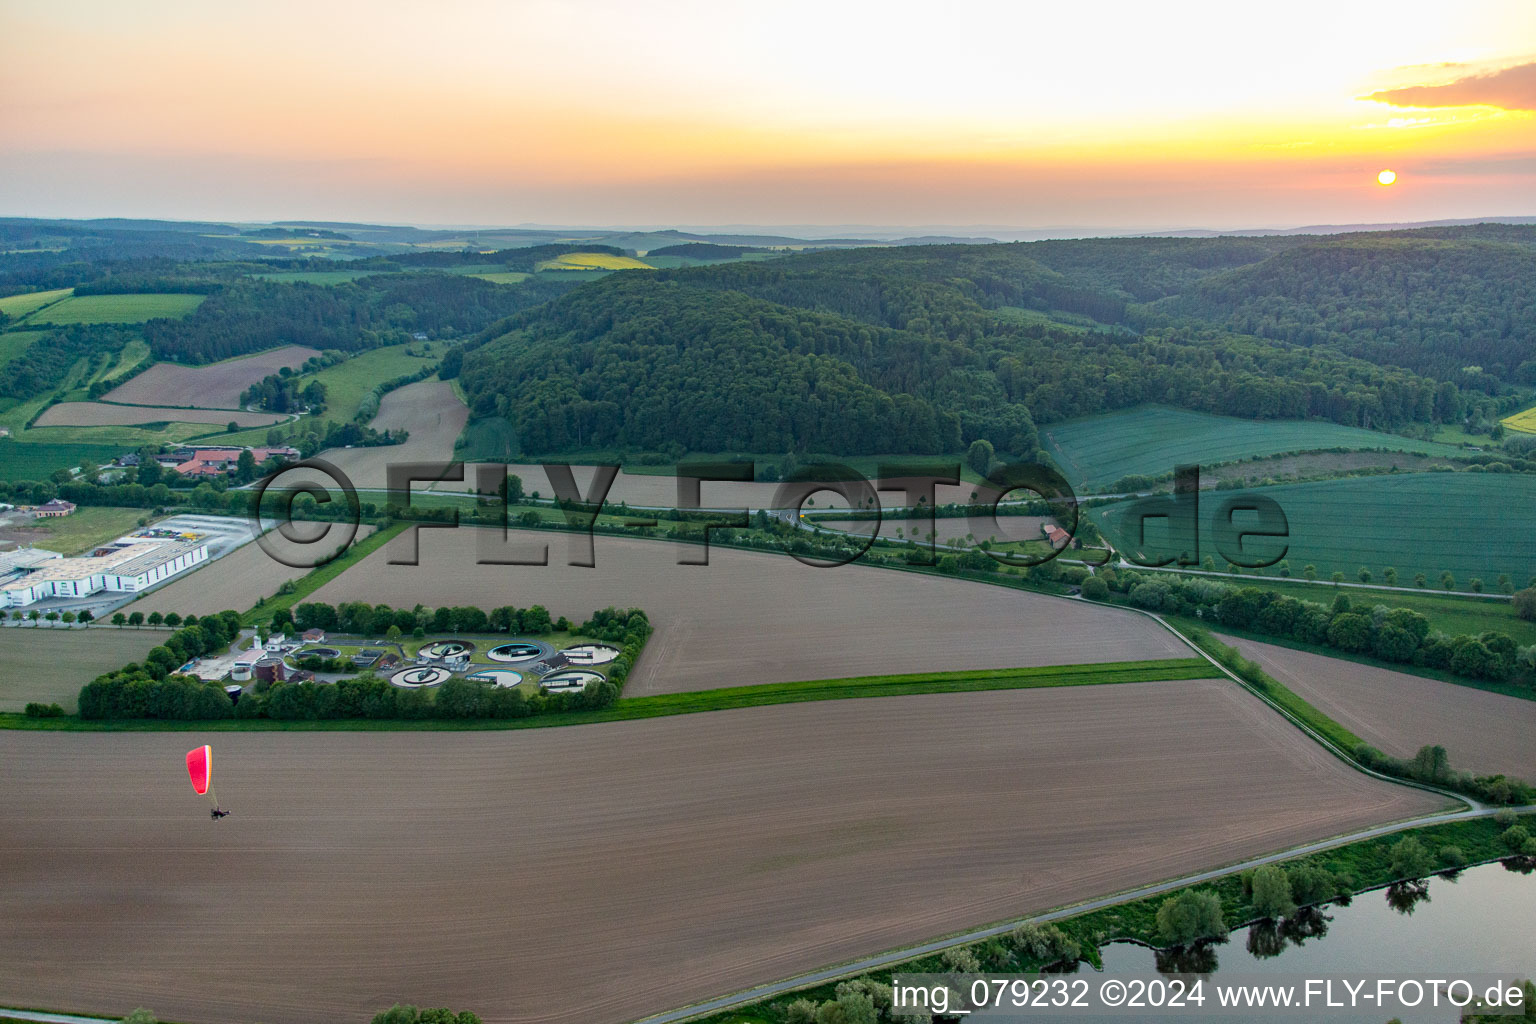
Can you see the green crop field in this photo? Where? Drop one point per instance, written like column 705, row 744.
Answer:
column 18, row 306
column 36, row 460
column 1096, row 451
column 1470, row 524
column 116, row 309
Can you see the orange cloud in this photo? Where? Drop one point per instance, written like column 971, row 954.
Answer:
column 1510, row 89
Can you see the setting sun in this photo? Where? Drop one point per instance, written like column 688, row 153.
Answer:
column 1386, row 177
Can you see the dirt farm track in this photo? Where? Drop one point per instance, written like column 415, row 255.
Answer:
column 759, row 617
column 596, row 874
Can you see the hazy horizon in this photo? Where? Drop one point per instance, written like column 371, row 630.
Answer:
column 1196, row 114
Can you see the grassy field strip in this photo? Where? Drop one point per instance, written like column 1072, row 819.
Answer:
column 18, row 306
column 320, row 576
column 693, row 702
column 116, row 309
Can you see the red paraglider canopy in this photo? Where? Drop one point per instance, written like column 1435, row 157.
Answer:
column 200, row 768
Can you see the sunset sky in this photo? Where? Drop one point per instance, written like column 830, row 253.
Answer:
column 1137, row 115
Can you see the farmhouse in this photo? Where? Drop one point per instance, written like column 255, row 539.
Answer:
column 127, row 565
column 55, row 509
column 1056, row 535
column 216, row 460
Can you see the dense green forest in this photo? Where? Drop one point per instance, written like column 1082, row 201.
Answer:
column 887, row 349
column 917, row 348
column 248, row 316
column 1461, row 309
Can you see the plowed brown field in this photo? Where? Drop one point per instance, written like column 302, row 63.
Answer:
column 233, row 581
column 428, row 409
column 216, row 386
column 755, row 617
column 101, row 414
column 50, row 665
column 596, row 874
column 1486, row 733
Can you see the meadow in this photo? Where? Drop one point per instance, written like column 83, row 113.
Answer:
column 116, row 309
column 1470, row 524
column 80, row 531
column 18, row 306
column 346, row 383
column 809, row 833
column 1096, row 451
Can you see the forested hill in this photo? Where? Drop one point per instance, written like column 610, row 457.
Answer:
column 1436, row 301
column 849, row 353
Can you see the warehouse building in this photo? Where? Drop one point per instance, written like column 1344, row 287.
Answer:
column 127, row 565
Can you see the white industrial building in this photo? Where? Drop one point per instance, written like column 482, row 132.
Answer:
column 127, row 565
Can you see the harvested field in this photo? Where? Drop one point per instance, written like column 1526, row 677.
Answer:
column 755, row 617
column 215, row 386
column 233, row 581
column 49, row 665
column 101, row 414
column 696, row 855
column 428, row 409
column 1485, row 733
